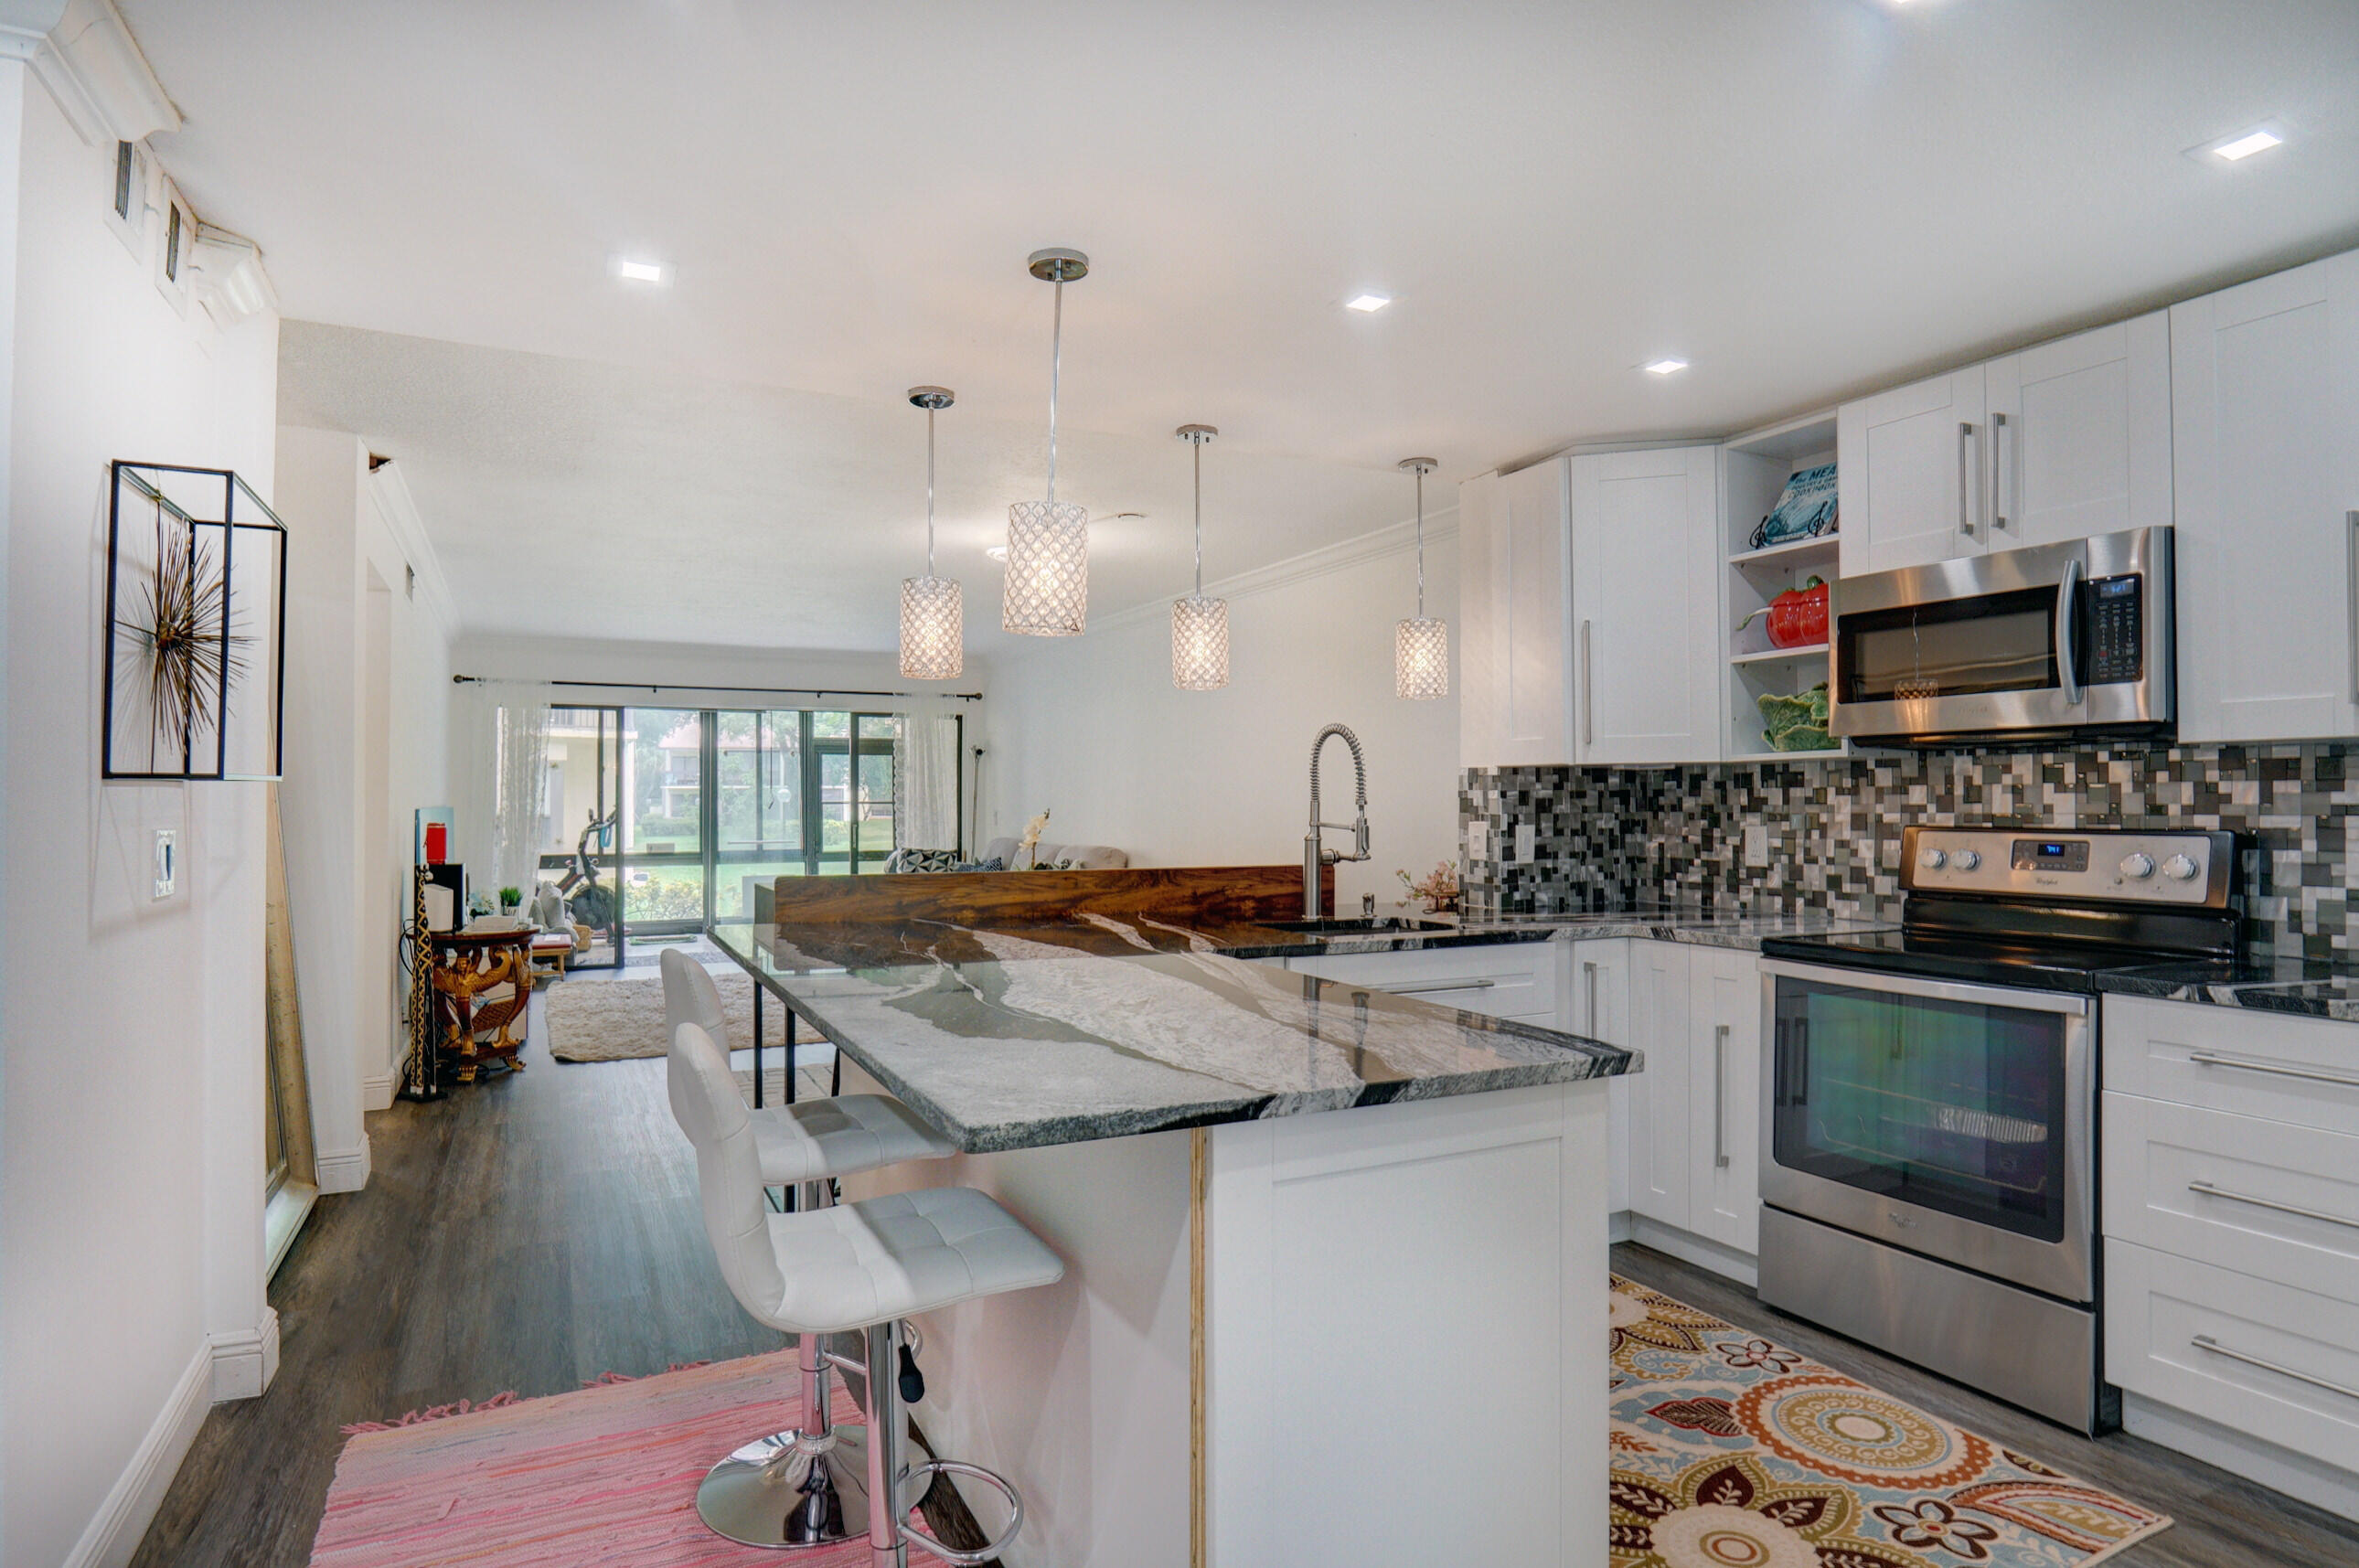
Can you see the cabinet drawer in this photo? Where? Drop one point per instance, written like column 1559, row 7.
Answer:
column 1516, row 980
column 2277, row 1066
column 2277, row 1201
column 2276, row 1363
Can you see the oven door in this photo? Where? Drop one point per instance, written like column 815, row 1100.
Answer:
column 2052, row 639
column 1952, row 1120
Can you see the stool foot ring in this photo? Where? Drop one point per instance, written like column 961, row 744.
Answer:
column 965, row 1559
column 783, row 1492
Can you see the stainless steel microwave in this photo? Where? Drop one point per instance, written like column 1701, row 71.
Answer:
column 2055, row 641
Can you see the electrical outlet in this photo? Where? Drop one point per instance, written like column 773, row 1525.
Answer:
column 167, row 862
column 1756, row 843
column 1478, row 840
column 1524, row 843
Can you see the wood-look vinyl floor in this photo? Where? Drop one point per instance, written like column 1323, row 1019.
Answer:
column 2220, row 1521
column 532, row 1231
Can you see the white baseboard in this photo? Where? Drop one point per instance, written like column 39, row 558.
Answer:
column 131, row 1503
column 246, row 1360
column 343, row 1169
column 376, row 1094
column 2279, row 1469
column 1688, row 1247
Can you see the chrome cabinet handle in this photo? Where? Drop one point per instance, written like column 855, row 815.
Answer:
column 2205, row 1342
column 2209, row 1191
column 2208, row 1059
column 1719, row 1096
column 2351, row 577
column 1588, row 975
column 1965, row 478
column 1999, row 488
column 1588, row 690
column 2068, row 614
column 1468, row 984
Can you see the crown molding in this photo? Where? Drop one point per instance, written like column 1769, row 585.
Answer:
column 88, row 59
column 1397, row 538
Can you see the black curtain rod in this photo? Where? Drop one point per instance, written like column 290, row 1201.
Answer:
column 704, row 686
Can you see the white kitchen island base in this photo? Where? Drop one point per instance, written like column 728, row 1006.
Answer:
column 1401, row 1318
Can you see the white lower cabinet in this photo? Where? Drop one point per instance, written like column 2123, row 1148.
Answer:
column 1695, row 1109
column 1509, row 980
column 2231, row 1192
column 1595, row 980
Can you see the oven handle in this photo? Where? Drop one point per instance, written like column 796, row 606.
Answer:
column 2063, row 1002
column 2068, row 610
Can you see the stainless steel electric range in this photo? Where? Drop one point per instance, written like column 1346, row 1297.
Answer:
column 1929, row 1144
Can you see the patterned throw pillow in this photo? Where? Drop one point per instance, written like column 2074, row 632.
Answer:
column 996, row 862
column 918, row 860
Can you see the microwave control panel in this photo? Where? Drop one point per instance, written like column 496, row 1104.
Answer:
column 2114, row 866
column 2112, row 610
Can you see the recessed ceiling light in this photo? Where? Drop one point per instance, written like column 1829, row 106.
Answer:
column 640, row 271
column 2246, row 145
column 1666, row 366
column 1368, row 304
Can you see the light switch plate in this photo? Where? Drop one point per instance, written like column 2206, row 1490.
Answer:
column 1756, row 843
column 167, row 862
column 1478, row 840
column 1524, row 841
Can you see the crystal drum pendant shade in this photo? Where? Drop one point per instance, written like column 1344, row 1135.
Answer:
column 1200, row 623
column 933, row 615
column 1420, row 646
column 1048, row 587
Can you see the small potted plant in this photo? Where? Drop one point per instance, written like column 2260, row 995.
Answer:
column 510, row 897
column 1439, row 889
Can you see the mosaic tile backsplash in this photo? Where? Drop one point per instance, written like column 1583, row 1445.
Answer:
column 1610, row 837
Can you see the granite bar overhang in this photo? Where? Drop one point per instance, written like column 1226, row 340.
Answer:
column 1096, row 1026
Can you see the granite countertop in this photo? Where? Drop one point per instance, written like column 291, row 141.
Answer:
column 1004, row 1041
column 2319, row 988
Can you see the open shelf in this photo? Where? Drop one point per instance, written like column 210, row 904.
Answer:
column 1774, row 655
column 1793, row 552
column 1792, row 756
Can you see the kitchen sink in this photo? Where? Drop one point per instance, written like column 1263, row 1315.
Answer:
column 1370, row 925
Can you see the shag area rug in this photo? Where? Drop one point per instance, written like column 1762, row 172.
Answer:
column 1731, row 1452
column 596, row 1479
column 592, row 1019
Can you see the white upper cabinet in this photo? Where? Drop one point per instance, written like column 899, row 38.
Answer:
column 1910, row 459
column 2265, row 412
column 1515, row 603
column 2063, row 440
column 2078, row 436
column 1646, row 577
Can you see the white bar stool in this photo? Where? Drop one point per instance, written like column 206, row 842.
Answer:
column 804, row 1144
column 862, row 1266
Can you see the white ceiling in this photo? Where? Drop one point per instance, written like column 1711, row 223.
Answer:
column 1804, row 198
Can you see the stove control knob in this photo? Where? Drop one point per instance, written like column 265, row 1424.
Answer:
column 1933, row 860
column 2179, row 868
column 2138, row 867
column 1966, row 859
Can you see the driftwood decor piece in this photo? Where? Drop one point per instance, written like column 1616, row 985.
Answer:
column 289, row 1079
column 196, row 627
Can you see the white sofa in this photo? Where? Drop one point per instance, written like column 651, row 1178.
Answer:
column 1088, row 856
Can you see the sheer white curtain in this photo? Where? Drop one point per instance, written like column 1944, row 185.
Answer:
column 925, row 797
column 520, row 800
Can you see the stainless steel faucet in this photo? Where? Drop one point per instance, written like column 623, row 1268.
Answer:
column 1313, row 856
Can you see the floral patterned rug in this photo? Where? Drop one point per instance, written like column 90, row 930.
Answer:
column 1731, row 1452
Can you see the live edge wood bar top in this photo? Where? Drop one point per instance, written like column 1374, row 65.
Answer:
column 1013, row 1009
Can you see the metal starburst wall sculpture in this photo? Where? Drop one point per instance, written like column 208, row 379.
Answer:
column 188, row 644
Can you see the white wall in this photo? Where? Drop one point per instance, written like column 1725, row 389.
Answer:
column 1092, row 728
column 132, row 1079
column 367, row 717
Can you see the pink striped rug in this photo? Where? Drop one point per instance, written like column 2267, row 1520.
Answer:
column 596, row 1479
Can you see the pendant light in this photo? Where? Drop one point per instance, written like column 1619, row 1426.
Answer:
column 1047, row 590
column 1420, row 646
column 1200, row 625
column 933, row 608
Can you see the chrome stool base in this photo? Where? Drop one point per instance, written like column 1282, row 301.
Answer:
column 775, row 1493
